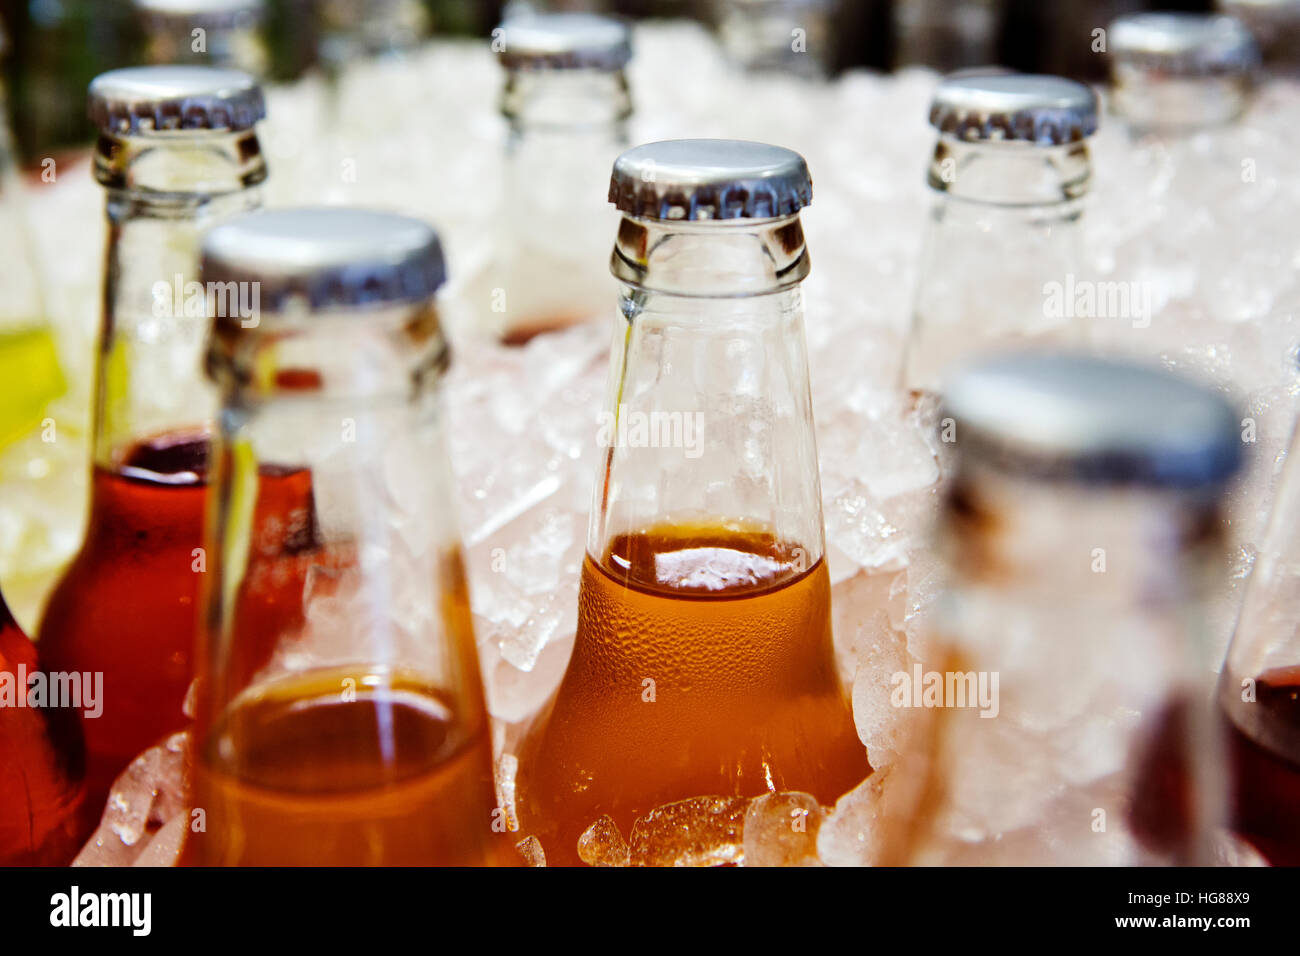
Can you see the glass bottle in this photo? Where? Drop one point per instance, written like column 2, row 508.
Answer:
column 29, row 361
column 792, row 37
column 177, row 152
column 1180, row 71
column 44, row 814
column 946, row 36
column 349, row 30
column 1062, row 701
column 349, row 728
column 1002, row 248
column 567, row 102
column 1259, row 691
column 1276, row 27
column 703, row 662
column 224, row 33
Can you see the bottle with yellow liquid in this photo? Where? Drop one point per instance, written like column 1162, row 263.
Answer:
column 703, row 663
column 29, row 362
column 350, row 728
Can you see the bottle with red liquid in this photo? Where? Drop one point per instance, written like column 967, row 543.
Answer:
column 177, row 152
column 354, row 732
column 1062, row 710
column 1259, row 689
column 703, row 663
column 44, row 815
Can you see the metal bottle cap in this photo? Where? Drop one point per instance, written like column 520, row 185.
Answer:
column 1183, row 43
column 993, row 107
column 705, row 179
column 564, row 41
column 155, row 99
column 1093, row 420
column 326, row 258
column 205, row 12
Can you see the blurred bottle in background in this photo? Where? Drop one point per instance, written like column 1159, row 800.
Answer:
column 1276, row 26
column 567, row 102
column 1259, row 690
column 44, row 814
column 946, row 35
column 225, row 33
column 1064, row 34
column 1179, row 72
column 29, row 362
column 703, row 663
column 1010, row 171
column 791, row 37
column 1065, row 711
column 177, row 152
column 348, row 727
column 349, row 30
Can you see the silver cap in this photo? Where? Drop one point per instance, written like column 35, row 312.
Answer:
column 1183, row 43
column 1093, row 420
column 326, row 258
column 563, row 41
column 150, row 99
column 204, row 12
column 993, row 107
column 704, row 179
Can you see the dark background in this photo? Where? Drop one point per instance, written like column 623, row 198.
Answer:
column 57, row 46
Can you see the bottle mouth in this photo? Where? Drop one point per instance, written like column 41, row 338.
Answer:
column 180, row 163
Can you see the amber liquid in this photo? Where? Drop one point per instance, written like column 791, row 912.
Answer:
column 1264, row 750
column 127, row 605
column 703, row 665
column 44, row 816
column 303, row 775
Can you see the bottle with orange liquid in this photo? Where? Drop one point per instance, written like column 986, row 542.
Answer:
column 703, row 663
column 355, row 732
column 1061, row 711
column 177, row 152
column 44, row 815
column 567, row 102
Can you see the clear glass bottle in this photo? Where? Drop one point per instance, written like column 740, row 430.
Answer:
column 791, row 37
column 348, row 727
column 1062, row 702
column 1177, row 72
column 224, row 33
column 349, row 30
column 1276, row 27
column 568, row 103
column 177, row 152
column 703, row 662
column 946, row 35
column 1010, row 171
column 1259, row 690
column 44, row 815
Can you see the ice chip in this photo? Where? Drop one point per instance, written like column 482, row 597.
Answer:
column 530, row 848
column 602, row 845
column 781, row 830
column 700, row 831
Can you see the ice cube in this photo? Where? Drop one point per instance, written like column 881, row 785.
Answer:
column 781, row 830
column 601, row 844
column 700, row 831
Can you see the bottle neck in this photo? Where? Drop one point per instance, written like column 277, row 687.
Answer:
column 1151, row 102
column 164, row 193
column 1016, row 174
column 538, row 102
column 709, row 412
column 728, row 259
column 346, row 404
